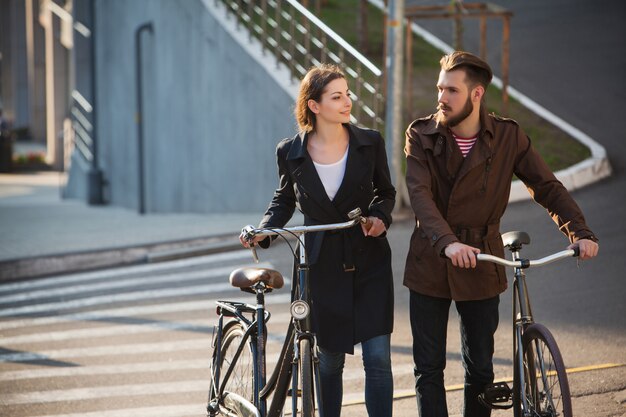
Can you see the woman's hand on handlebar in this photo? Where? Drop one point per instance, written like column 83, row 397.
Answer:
column 249, row 243
column 373, row 226
column 587, row 248
column 461, row 255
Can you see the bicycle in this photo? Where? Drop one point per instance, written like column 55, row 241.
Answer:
column 238, row 385
column 540, row 385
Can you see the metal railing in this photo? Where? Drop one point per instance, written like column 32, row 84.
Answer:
column 299, row 40
column 82, row 112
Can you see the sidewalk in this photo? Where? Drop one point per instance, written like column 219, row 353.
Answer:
column 43, row 234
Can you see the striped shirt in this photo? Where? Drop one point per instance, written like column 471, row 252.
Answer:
column 465, row 144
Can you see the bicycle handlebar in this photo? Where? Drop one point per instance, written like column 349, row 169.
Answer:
column 249, row 232
column 527, row 263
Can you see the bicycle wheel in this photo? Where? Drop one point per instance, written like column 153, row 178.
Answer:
column 546, row 386
column 241, row 380
column 306, row 379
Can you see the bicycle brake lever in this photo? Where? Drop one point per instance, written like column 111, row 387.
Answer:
column 254, row 254
column 248, row 234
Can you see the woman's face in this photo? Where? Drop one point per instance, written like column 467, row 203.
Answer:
column 335, row 104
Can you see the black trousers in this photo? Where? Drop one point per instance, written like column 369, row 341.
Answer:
column 429, row 322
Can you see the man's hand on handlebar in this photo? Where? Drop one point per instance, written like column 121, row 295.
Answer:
column 461, row 255
column 587, row 248
column 373, row 226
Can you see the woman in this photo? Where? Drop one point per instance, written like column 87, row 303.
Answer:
column 327, row 170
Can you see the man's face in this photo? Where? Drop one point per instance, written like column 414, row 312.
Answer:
column 454, row 100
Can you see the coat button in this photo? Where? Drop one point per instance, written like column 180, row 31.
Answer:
column 434, row 237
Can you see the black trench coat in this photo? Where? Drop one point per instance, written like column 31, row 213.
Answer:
column 348, row 307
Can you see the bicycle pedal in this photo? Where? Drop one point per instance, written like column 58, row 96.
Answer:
column 497, row 395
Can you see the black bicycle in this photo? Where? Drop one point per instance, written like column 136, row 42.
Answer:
column 238, row 385
column 540, row 386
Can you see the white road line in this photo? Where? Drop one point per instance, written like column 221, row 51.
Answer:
column 160, row 411
column 116, row 298
column 93, row 287
column 125, row 329
column 80, row 394
column 114, row 350
column 208, row 305
column 91, row 370
column 135, row 269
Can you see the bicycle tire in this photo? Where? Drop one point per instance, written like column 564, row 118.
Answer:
column 306, row 379
column 241, row 381
column 547, row 388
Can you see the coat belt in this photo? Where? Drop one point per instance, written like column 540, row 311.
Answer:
column 476, row 234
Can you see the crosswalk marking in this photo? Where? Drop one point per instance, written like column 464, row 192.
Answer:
column 117, row 285
column 106, row 314
column 160, row 411
column 74, row 394
column 202, row 325
column 116, row 298
column 117, row 272
column 51, row 331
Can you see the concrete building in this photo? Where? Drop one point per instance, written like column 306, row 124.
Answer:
column 171, row 109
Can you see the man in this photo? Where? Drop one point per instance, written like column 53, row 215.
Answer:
column 460, row 162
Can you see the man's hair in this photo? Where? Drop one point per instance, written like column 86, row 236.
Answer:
column 311, row 88
column 477, row 71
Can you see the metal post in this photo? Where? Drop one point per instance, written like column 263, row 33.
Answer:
column 506, row 31
column 393, row 111
column 95, row 175
column 139, row 117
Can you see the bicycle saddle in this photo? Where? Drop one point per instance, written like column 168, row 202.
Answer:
column 515, row 240
column 247, row 277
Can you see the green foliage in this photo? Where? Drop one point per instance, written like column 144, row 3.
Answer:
column 557, row 148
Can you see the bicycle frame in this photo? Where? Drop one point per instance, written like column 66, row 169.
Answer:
column 286, row 369
column 522, row 318
column 522, row 313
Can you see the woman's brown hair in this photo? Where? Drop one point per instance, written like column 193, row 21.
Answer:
column 311, row 88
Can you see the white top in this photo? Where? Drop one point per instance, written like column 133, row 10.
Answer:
column 332, row 174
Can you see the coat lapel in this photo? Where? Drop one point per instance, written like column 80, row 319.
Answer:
column 356, row 168
column 306, row 175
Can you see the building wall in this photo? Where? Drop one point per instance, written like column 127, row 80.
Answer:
column 212, row 115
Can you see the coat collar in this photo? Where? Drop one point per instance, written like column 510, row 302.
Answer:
column 487, row 124
column 434, row 134
column 298, row 147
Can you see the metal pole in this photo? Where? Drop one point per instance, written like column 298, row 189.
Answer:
column 95, row 176
column 393, row 119
column 139, row 118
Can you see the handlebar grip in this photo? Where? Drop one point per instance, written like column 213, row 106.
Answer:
column 576, row 251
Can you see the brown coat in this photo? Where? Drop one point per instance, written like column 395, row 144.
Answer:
column 462, row 199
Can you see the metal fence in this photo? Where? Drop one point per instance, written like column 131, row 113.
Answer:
column 299, row 40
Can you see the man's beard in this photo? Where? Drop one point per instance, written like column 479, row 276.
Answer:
column 452, row 121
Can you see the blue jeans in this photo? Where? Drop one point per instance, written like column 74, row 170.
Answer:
column 378, row 378
column 429, row 322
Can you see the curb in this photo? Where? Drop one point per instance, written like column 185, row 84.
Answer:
column 40, row 266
